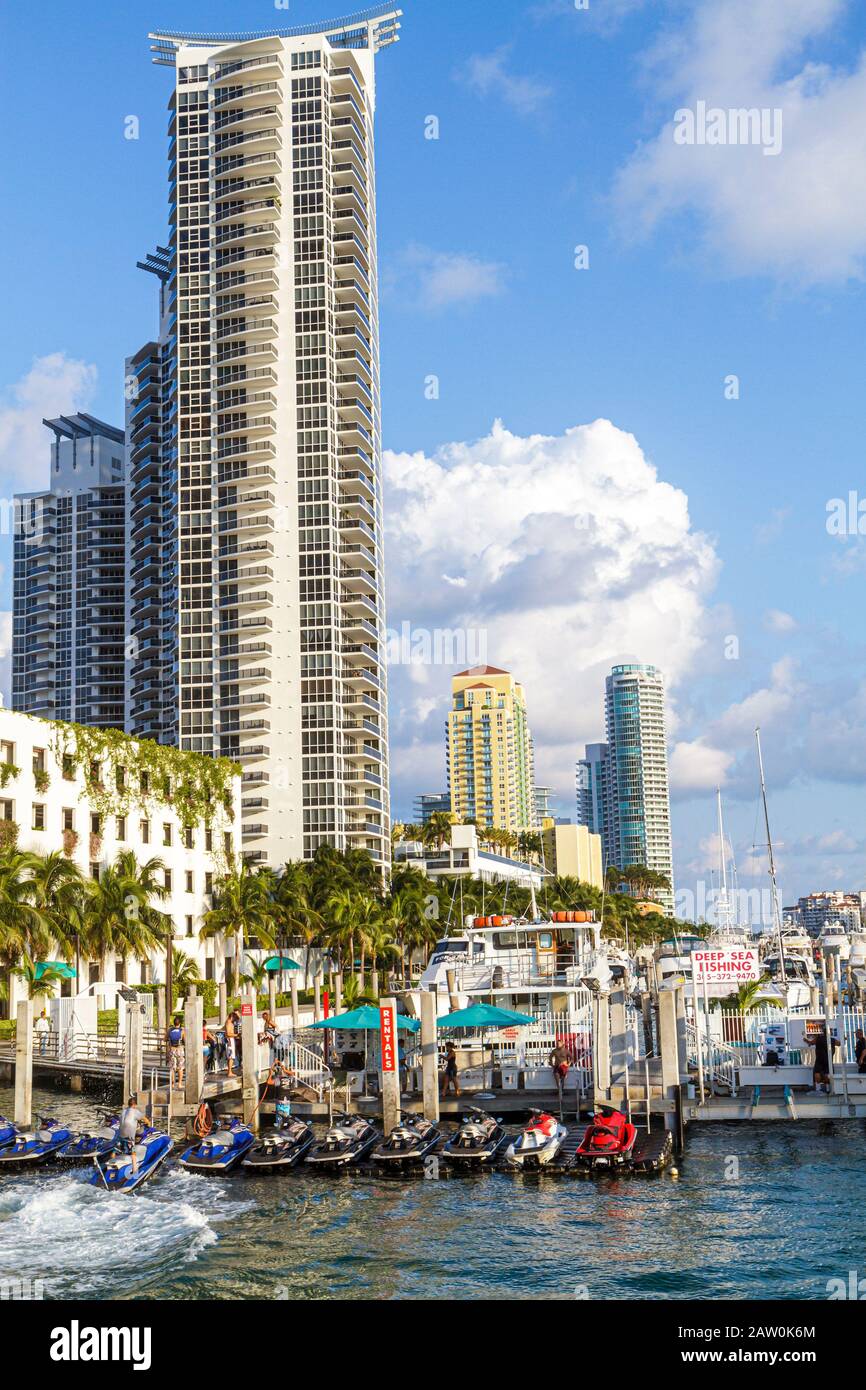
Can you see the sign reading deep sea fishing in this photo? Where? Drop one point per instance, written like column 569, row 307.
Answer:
column 388, row 1027
column 724, row 971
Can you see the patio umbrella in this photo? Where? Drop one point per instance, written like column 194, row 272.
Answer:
column 365, row 1019
column 275, row 963
column 60, row 968
column 484, row 1017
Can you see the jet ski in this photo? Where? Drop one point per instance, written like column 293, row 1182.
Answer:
column 409, row 1142
column 346, row 1143
column 479, row 1139
column 608, row 1142
column 283, row 1148
column 8, row 1130
column 115, row 1173
column 32, row 1146
column 221, row 1150
column 539, row 1143
column 89, row 1144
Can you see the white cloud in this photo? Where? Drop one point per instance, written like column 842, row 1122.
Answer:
column 775, row 620
column 488, row 75
column 55, row 385
column 575, row 555
column 697, row 767
column 800, row 217
column 432, row 280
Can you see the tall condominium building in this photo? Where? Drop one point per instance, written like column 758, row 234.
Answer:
column 68, row 580
column 255, row 502
column 623, row 791
column 490, row 762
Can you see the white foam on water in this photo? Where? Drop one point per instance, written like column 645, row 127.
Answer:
column 81, row 1240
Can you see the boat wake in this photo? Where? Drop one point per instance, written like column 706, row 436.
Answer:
column 81, row 1242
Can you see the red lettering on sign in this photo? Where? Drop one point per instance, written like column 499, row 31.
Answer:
column 387, row 1025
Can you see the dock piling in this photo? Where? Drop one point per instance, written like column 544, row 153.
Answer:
column 24, row 1064
column 429, row 1057
column 296, row 1017
column 133, row 1059
column 390, row 1080
column 250, row 1060
column 193, row 1030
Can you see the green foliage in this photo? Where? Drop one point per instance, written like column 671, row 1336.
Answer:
column 106, row 1023
column 8, row 773
column 198, row 788
column 42, row 780
column 8, row 835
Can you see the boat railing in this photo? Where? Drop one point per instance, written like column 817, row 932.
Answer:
column 522, row 969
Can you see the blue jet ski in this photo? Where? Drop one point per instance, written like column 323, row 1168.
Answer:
column 33, row 1146
column 8, row 1130
column 222, row 1150
column 89, row 1144
column 115, row 1172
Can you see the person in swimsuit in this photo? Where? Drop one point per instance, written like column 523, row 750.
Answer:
column 449, row 1075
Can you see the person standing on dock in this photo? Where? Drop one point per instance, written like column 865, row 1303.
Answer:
column 176, row 1051
column 821, row 1064
column 559, row 1060
column 231, row 1035
column 449, row 1075
column 860, row 1051
column 43, row 1028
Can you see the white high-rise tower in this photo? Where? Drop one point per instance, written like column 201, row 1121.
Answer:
column 264, row 443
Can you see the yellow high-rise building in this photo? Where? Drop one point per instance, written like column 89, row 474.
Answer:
column 490, row 763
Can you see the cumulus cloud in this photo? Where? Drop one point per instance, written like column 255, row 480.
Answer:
column 775, row 620
column 54, row 385
column 433, row 280
column 575, row 553
column 488, row 74
column 697, row 767
column 800, row 217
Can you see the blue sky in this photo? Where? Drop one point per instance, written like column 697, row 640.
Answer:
column 709, row 524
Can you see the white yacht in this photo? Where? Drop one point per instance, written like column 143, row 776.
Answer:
column 791, row 988
column 857, row 958
column 834, row 940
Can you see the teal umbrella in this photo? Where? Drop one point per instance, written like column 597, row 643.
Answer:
column 365, row 1019
column 275, row 963
column 59, row 967
column 484, row 1017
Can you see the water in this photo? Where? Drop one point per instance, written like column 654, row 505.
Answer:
column 791, row 1221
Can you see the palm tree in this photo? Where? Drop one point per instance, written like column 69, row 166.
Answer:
column 383, row 948
column 118, row 916
column 344, row 906
column 437, row 830
column 242, row 909
column 354, row 992
column 24, row 927
column 256, row 976
column 184, row 971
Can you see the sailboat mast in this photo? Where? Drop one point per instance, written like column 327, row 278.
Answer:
column 772, row 862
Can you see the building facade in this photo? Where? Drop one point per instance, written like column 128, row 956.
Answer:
column 573, row 851
column 813, row 913
column 623, row 791
column 91, row 801
column 255, row 432
column 464, row 857
column 69, row 566
column 489, row 751
column 427, row 805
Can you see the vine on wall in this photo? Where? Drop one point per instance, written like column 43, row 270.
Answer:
column 122, row 773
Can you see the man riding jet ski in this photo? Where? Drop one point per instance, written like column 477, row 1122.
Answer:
column 221, row 1150
column 479, row 1139
column 126, row 1171
column 539, row 1143
column 33, row 1146
column 608, row 1141
column 409, row 1142
column 347, row 1142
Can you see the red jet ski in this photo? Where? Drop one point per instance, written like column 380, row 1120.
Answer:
column 608, row 1142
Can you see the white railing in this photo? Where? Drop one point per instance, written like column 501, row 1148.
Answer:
column 307, row 1064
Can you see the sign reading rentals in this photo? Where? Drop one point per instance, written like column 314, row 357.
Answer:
column 388, row 1027
column 724, row 971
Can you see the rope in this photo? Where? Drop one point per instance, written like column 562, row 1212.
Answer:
column 203, row 1122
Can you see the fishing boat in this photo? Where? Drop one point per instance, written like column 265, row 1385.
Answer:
column 835, row 941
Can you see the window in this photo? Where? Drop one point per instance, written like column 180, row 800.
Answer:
column 190, row 881
column 7, row 810
column 120, row 778
column 144, row 828
column 68, row 819
column 94, row 872
column 166, row 834
column 96, row 823
column 38, row 759
column 121, row 827
column 189, row 837
column 120, row 971
column 227, row 841
column 168, row 879
column 208, row 841
column 189, row 926
column 68, row 768
column 145, row 782
column 7, row 751
column 38, row 816
column 208, row 884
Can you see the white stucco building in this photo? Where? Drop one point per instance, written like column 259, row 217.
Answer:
column 55, row 796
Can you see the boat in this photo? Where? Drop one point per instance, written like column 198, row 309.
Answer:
column 283, row 1148
column 479, row 1139
column 857, row 957
column 8, row 1130
column 116, row 1174
column 788, row 988
column 221, row 1150
column 539, row 1143
column 608, row 1141
column 30, row 1147
column 834, row 940
column 409, row 1142
column 348, row 1141
column 88, row 1144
